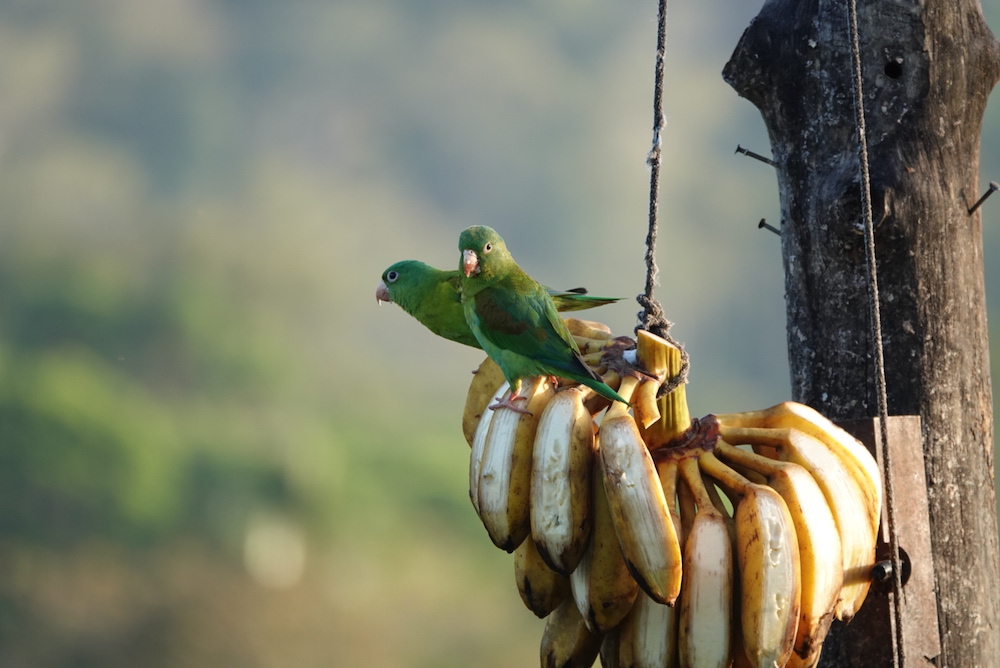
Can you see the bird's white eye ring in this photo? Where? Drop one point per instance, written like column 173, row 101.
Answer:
column 391, row 276
column 487, row 248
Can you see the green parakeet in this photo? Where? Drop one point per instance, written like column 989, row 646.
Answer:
column 431, row 296
column 514, row 318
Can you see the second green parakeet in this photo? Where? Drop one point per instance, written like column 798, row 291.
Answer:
column 432, row 296
column 515, row 319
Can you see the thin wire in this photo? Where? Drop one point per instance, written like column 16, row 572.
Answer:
column 652, row 317
column 876, row 321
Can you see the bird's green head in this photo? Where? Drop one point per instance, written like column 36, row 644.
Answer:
column 403, row 278
column 484, row 254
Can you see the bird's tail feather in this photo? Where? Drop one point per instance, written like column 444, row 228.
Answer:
column 603, row 389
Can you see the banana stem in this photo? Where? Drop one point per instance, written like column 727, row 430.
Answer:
column 659, row 357
column 774, row 438
column 626, row 389
column 748, row 473
column 692, row 476
column 751, row 460
column 686, row 500
column 723, row 506
column 735, row 484
column 667, row 470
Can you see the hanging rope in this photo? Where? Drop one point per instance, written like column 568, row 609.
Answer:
column 876, row 323
column 652, row 317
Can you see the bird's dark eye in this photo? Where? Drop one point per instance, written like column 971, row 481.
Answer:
column 391, row 276
column 487, row 248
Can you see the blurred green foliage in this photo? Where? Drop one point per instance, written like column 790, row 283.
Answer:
column 215, row 450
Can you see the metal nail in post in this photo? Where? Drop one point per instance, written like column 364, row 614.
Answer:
column 756, row 156
column 764, row 225
column 993, row 187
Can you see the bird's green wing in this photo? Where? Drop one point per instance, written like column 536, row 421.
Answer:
column 572, row 300
column 527, row 324
column 525, row 321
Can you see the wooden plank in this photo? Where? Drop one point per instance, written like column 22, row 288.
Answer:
column 867, row 641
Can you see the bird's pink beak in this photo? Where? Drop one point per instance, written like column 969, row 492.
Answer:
column 382, row 293
column 470, row 263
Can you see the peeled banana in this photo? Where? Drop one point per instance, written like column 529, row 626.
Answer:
column 820, row 556
column 562, row 461
column 479, row 444
column 768, row 555
column 642, row 521
column 707, row 592
column 505, row 472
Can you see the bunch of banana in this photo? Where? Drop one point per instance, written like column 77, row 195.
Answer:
column 654, row 540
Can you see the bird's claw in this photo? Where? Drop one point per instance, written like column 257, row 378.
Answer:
column 509, row 403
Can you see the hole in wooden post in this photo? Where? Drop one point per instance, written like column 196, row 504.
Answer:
column 894, row 68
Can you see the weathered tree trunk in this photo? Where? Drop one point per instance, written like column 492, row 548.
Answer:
column 928, row 68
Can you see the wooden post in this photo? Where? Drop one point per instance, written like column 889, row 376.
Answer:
column 928, row 69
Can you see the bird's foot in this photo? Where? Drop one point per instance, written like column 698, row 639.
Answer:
column 509, row 403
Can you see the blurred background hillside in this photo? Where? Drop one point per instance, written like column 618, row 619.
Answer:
column 215, row 449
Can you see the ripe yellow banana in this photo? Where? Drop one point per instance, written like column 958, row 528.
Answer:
column 707, row 592
column 820, row 550
column 849, row 497
column 591, row 359
column 561, row 479
column 487, row 378
column 647, row 637
column 566, row 641
column 541, row 588
column 589, row 346
column 479, row 444
column 602, row 586
column 768, row 557
column 588, row 329
column 505, row 474
column 635, row 496
column 790, row 414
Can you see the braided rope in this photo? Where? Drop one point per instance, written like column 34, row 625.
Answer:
column 652, row 317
